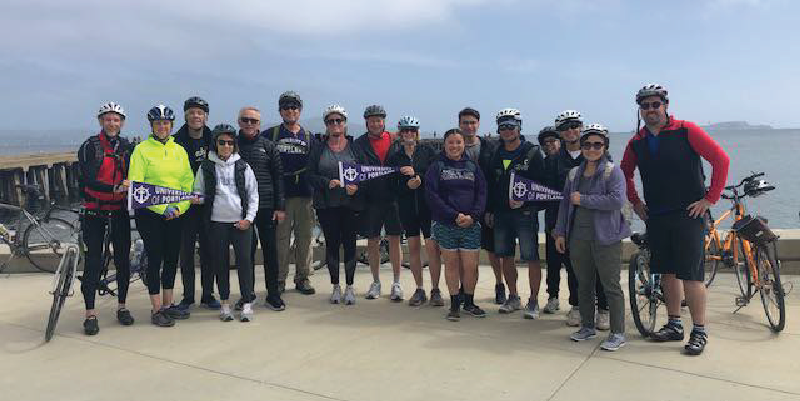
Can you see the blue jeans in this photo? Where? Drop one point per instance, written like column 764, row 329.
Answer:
column 521, row 224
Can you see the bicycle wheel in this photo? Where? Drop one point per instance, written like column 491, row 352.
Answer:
column 640, row 294
column 742, row 268
column 770, row 287
column 65, row 273
column 44, row 243
column 713, row 258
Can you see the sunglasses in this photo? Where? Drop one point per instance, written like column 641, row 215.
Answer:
column 223, row 142
column 290, row 107
column 550, row 141
column 248, row 120
column 650, row 105
column 408, row 130
column 570, row 125
column 592, row 145
column 334, row 121
column 469, row 122
column 507, row 127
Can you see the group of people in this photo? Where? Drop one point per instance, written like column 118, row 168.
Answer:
column 456, row 202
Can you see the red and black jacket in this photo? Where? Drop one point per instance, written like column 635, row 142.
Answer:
column 103, row 164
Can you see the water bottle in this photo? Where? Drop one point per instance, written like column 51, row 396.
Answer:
column 136, row 255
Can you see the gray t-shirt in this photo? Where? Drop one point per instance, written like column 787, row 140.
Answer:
column 583, row 224
column 473, row 151
column 329, row 167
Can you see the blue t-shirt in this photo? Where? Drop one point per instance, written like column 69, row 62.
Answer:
column 294, row 157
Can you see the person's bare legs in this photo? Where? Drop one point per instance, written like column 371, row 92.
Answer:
column 394, row 256
column 374, row 256
column 414, row 248
column 510, row 273
column 167, row 297
column 497, row 267
column 672, row 291
column 452, row 264
column 696, row 300
column 434, row 262
column 469, row 263
column 535, row 278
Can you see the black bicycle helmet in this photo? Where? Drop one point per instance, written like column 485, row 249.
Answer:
column 195, row 101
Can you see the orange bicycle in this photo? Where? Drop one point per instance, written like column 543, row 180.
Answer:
column 750, row 248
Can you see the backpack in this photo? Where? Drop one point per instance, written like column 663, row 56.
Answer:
column 627, row 208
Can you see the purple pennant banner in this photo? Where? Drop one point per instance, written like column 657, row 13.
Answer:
column 351, row 173
column 523, row 189
column 142, row 194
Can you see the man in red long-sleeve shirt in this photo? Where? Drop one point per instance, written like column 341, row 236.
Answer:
column 667, row 152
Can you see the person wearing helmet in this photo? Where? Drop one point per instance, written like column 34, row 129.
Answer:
column 230, row 193
column 294, row 142
column 381, row 210
column 514, row 220
column 160, row 161
column 265, row 160
column 335, row 203
column 549, row 140
column 481, row 150
column 591, row 224
column 103, row 160
column 414, row 158
column 568, row 124
column 668, row 154
column 197, row 139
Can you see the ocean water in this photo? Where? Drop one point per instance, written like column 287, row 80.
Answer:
column 775, row 152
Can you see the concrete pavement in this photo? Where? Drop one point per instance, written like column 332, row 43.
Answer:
column 377, row 350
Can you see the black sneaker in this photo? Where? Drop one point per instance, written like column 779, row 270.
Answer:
column 474, row 310
column 177, row 313
column 238, row 305
column 418, row 298
column 453, row 315
column 90, row 326
column 670, row 332
column 304, row 287
column 211, row 303
column 275, row 303
column 499, row 294
column 161, row 319
column 697, row 342
column 124, row 317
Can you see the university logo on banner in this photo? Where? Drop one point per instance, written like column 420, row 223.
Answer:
column 142, row 194
column 523, row 189
column 352, row 173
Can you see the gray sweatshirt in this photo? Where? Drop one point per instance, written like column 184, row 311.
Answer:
column 227, row 204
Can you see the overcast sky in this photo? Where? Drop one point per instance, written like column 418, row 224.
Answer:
column 720, row 59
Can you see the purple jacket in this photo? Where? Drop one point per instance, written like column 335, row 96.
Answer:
column 454, row 187
column 605, row 197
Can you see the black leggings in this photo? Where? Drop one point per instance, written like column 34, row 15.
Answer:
column 339, row 227
column 194, row 227
column 93, row 229
column 266, row 227
column 221, row 238
column 162, row 244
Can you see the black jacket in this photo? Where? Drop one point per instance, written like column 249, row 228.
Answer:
column 90, row 159
column 377, row 189
column 182, row 138
column 529, row 164
column 424, row 155
column 264, row 159
column 557, row 168
column 320, row 183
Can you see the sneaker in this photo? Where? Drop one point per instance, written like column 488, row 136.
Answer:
column 418, row 298
column 336, row 294
column 304, row 287
column 453, row 315
column 532, row 309
column 247, row 314
column 474, row 310
column 90, row 326
column 374, row 291
column 583, row 334
column 670, row 332
column 697, row 342
column 436, row 297
column 177, row 313
column 551, row 307
column 512, row 304
column 349, row 295
column 161, row 319
column 282, row 286
column 186, row 304
column 602, row 320
column 397, row 293
column 574, row 317
column 226, row 316
column 273, row 303
column 211, row 303
column 614, row 342
column 238, row 305
column 499, row 294
column 124, row 317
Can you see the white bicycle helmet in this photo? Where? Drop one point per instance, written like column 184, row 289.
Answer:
column 111, row 107
column 333, row 109
column 595, row 129
column 568, row 115
column 653, row 90
column 407, row 122
column 506, row 113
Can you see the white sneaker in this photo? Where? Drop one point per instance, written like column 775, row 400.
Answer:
column 336, row 294
column 397, row 293
column 532, row 309
column 349, row 295
column 602, row 321
column 551, row 306
column 574, row 317
column 374, row 291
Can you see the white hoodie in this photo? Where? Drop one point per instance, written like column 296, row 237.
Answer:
column 227, row 204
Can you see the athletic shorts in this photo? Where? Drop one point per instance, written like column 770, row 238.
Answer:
column 677, row 245
column 517, row 224
column 380, row 216
column 487, row 238
column 415, row 221
column 451, row 237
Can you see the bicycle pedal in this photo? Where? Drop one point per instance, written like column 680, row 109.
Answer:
column 742, row 301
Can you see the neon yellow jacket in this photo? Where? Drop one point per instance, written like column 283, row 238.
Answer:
column 165, row 164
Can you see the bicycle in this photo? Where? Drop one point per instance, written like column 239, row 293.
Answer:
column 645, row 292
column 43, row 238
column 62, row 286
